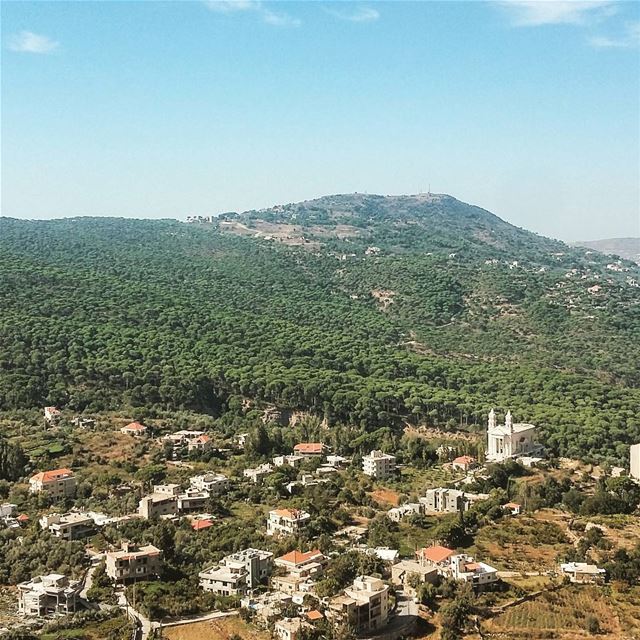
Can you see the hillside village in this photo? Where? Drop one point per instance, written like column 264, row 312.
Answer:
column 149, row 530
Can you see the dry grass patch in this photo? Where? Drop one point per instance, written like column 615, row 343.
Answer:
column 218, row 629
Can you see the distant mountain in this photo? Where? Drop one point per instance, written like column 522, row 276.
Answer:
column 627, row 248
column 367, row 311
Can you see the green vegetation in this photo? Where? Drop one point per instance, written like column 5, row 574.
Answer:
column 158, row 315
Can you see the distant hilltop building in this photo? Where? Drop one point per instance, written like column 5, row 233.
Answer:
column 199, row 219
column 509, row 440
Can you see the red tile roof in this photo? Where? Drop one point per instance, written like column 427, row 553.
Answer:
column 55, row 474
column 197, row 525
column 297, row 557
column 436, row 554
column 464, row 460
column 309, row 447
column 292, row 514
column 314, row 615
column 23, row 517
column 135, row 426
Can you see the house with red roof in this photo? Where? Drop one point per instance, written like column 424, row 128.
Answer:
column 303, row 564
column 464, row 463
column 436, row 556
column 57, row 483
column 286, row 522
column 200, row 443
column 310, row 449
column 134, row 429
column 52, row 414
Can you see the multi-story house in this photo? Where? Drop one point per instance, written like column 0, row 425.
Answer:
column 48, row 595
column 52, row 415
column 157, row 505
column 58, row 483
column 134, row 563
column 442, row 499
column 215, row 483
column 364, row 605
column 192, row 500
column 286, row 522
column 68, row 526
column 378, row 465
column 304, row 565
column 237, row 573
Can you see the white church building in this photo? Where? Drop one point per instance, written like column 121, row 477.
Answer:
column 510, row 440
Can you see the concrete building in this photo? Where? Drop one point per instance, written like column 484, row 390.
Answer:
column 510, row 440
column 290, row 628
column 406, row 572
column 48, row 595
column 634, row 461
column 192, row 500
column 286, row 522
column 157, row 505
column 309, row 564
column 68, row 526
column 256, row 475
column 237, row 573
column 478, row 574
column 57, row 484
column 378, row 465
column 445, row 500
column 398, row 514
column 364, row 605
column 292, row 460
column 215, row 483
column 52, row 415
column 134, row 563
column 583, row 573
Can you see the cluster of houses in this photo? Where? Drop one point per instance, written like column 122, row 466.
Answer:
column 364, row 604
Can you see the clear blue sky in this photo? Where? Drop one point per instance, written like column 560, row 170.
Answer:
column 163, row 109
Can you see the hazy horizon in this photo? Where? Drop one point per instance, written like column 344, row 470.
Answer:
column 530, row 110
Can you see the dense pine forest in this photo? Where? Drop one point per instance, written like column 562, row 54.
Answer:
column 365, row 310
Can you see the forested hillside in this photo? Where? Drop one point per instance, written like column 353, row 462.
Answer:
column 363, row 309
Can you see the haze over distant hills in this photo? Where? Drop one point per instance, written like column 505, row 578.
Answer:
column 369, row 311
column 628, row 248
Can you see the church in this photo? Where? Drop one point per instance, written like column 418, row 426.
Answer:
column 510, row 440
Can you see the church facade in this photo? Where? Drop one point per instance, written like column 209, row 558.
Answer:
column 510, row 440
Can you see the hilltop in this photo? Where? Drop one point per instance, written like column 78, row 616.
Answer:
column 368, row 311
column 627, row 248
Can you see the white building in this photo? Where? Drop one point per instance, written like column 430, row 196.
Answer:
column 68, row 526
column 133, row 563
column 378, row 465
column 293, row 460
column 58, row 483
column 397, row 514
column 464, row 567
column 286, row 522
column 237, row 573
column 582, row 572
column 290, row 628
column 52, row 415
column 364, row 605
column 134, row 429
column 48, row 595
column 256, row 475
column 509, row 440
column 192, row 500
column 634, row 461
column 215, row 483
column 157, row 505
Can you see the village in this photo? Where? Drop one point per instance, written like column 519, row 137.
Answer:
column 352, row 545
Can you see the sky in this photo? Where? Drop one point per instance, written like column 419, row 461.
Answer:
column 530, row 109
